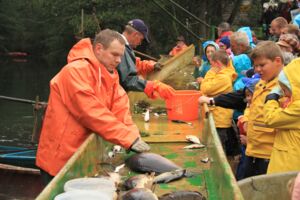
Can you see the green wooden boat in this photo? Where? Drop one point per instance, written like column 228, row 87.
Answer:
column 213, row 179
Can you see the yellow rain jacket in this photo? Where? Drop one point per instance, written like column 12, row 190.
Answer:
column 260, row 137
column 214, row 84
column 286, row 151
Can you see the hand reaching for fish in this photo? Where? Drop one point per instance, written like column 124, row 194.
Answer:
column 139, row 146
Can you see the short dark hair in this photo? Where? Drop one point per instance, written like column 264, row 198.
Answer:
column 107, row 36
column 266, row 49
column 220, row 55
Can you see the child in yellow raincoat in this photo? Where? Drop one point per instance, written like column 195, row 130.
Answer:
column 218, row 80
column 268, row 62
column 285, row 118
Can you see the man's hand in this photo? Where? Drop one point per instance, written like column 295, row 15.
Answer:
column 139, row 146
column 164, row 91
column 157, row 67
column 204, row 99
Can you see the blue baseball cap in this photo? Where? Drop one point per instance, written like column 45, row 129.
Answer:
column 140, row 26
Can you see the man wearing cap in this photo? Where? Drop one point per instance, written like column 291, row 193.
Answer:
column 130, row 66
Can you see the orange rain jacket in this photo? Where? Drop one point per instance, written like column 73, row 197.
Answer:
column 144, row 66
column 84, row 98
column 176, row 50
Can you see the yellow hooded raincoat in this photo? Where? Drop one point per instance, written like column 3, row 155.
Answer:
column 286, row 151
column 214, row 84
column 260, row 137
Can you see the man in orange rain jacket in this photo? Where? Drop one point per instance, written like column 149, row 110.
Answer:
column 85, row 96
column 180, row 45
column 129, row 68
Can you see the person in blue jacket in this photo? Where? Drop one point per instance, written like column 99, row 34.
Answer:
column 209, row 47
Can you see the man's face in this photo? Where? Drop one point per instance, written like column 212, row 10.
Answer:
column 111, row 56
column 136, row 40
column 266, row 68
column 235, row 48
column 180, row 44
column 274, row 29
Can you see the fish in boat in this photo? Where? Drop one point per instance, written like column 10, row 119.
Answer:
column 171, row 176
column 150, row 162
column 139, row 181
column 193, row 139
column 183, row 195
column 139, row 194
column 205, row 160
column 147, row 116
column 194, row 146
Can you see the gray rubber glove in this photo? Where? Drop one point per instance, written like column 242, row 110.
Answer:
column 139, row 146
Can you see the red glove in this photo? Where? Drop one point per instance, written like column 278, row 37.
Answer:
column 165, row 91
column 144, row 66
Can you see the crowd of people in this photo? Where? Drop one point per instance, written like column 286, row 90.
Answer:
column 249, row 84
column 259, row 84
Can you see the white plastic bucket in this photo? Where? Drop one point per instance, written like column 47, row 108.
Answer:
column 82, row 194
column 103, row 185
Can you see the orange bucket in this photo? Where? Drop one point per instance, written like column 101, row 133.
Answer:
column 183, row 105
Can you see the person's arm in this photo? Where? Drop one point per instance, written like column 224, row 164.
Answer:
column 129, row 78
column 92, row 112
column 146, row 66
column 277, row 117
column 232, row 100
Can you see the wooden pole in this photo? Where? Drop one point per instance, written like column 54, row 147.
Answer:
column 82, row 25
column 145, row 55
column 21, row 100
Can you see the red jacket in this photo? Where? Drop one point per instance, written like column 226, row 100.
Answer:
column 176, row 50
column 224, row 34
column 84, row 98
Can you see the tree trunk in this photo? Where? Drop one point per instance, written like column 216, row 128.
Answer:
column 235, row 11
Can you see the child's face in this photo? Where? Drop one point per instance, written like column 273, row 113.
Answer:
column 222, row 46
column 286, row 91
column 248, row 96
column 216, row 64
column 266, row 68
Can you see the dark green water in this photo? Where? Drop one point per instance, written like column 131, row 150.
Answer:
column 22, row 80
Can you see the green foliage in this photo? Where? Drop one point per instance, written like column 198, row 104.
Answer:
column 48, row 29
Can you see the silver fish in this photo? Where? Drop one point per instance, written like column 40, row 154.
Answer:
column 194, row 146
column 150, row 162
column 193, row 139
column 139, row 181
column 118, row 168
column 205, row 160
column 170, row 176
column 139, row 194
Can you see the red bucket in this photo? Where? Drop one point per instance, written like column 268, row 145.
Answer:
column 183, row 105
